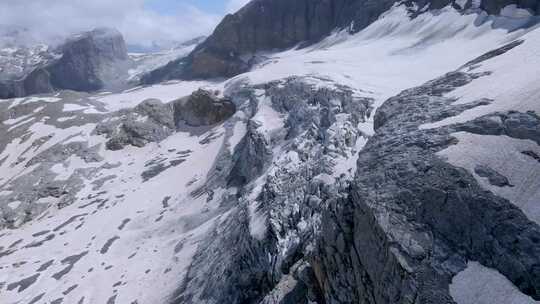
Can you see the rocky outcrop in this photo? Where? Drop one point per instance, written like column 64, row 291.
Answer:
column 36, row 82
column 265, row 25
column 154, row 121
column 150, row 121
column 412, row 221
column 87, row 62
column 251, row 158
column 85, row 59
column 202, row 108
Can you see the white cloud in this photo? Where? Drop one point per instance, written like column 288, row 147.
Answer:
column 235, row 5
column 51, row 19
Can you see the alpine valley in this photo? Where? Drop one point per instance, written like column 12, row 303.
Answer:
column 306, row 152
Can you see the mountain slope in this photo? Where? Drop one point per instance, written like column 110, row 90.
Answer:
column 266, row 25
column 398, row 164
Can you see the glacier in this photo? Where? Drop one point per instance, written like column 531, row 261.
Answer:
column 313, row 191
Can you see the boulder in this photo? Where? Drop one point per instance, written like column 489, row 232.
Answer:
column 202, row 108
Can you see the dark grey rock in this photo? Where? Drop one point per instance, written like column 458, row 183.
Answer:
column 36, row 298
column 70, row 261
column 157, row 111
column 84, row 59
column 494, row 177
column 124, row 223
column 70, row 289
column 108, row 244
column 150, row 121
column 45, row 266
column 57, row 301
column 24, row 283
column 513, row 124
column 112, row 299
column 233, row 267
column 69, row 221
column 250, row 158
column 37, row 82
column 412, row 221
column 202, row 108
column 532, row 154
column 494, row 53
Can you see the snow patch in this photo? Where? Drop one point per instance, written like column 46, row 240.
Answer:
column 481, row 285
column 504, row 155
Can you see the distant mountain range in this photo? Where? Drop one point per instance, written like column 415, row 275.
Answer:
column 89, row 61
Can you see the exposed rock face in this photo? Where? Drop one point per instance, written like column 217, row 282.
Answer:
column 495, row 6
column 269, row 265
column 153, row 121
column 36, row 82
column 265, row 25
column 87, row 62
column 412, row 221
column 494, row 177
column 251, row 159
column 202, row 108
column 150, row 121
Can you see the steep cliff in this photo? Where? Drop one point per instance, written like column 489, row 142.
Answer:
column 88, row 59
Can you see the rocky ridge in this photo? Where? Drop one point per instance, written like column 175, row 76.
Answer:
column 411, row 221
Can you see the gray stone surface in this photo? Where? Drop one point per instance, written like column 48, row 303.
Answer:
column 494, row 177
column 153, row 121
column 202, row 108
column 150, row 121
column 411, row 221
column 86, row 58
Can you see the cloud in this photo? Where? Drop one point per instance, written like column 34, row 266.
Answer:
column 235, row 5
column 49, row 20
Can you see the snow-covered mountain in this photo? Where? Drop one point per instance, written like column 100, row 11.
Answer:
column 91, row 61
column 398, row 162
column 146, row 62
